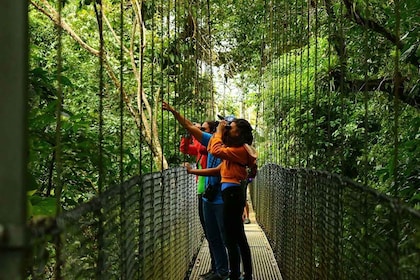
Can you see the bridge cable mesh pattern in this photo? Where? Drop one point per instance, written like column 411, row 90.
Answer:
column 322, row 226
column 150, row 226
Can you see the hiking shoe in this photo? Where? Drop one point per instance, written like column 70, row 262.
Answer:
column 247, row 221
column 207, row 274
column 216, row 276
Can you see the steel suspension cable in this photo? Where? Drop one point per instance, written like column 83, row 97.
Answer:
column 329, row 88
column 141, row 268
column 287, row 82
column 365, row 169
column 123, row 233
column 397, row 88
column 342, row 63
column 262, row 66
column 198, row 60
column 274, row 83
column 295, row 90
column 267, row 84
column 210, row 59
column 300, row 123
column 282, row 81
column 278, row 83
column 166, row 81
column 316, row 93
column 281, row 78
column 121, row 90
column 99, row 16
column 307, row 103
column 58, row 139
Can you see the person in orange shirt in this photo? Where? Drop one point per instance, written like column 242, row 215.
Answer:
column 212, row 206
column 232, row 143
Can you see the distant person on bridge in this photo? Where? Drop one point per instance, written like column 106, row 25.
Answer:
column 212, row 206
column 232, row 143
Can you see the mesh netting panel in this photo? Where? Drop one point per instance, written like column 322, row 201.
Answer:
column 146, row 228
column 322, row 226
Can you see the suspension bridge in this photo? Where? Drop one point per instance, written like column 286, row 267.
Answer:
column 336, row 127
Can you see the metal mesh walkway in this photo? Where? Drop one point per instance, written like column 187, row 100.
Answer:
column 264, row 264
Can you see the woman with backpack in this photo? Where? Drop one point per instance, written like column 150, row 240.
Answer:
column 232, row 143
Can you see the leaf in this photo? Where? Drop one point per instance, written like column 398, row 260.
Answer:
column 31, row 193
column 45, row 206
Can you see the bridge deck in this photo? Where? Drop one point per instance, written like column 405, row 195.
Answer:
column 263, row 261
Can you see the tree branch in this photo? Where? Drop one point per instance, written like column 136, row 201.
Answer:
column 356, row 17
column 55, row 17
column 383, row 84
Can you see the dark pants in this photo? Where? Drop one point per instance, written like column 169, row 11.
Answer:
column 200, row 211
column 201, row 215
column 234, row 203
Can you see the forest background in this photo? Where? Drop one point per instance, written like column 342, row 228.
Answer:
column 331, row 85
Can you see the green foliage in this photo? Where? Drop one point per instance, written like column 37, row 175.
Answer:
column 304, row 78
column 318, row 112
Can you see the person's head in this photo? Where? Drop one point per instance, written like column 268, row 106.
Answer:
column 209, row 126
column 197, row 125
column 238, row 133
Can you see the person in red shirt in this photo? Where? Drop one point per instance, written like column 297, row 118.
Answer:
column 191, row 146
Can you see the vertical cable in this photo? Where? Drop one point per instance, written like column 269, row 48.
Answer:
column 299, row 115
column 99, row 16
column 295, row 137
column 266, row 84
column 282, row 78
column 397, row 88
column 101, row 93
column 121, row 104
column 278, row 83
column 271, row 93
column 122, row 236
column 199, row 53
column 365, row 104
column 141, row 246
column 198, row 61
column 168, row 88
column 307, row 103
column 315, row 113
column 260, row 87
column 343, row 62
column 210, row 59
column 311, row 203
column 58, row 143
column 330, row 89
column 283, row 87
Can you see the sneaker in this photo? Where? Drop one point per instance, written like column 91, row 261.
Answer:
column 216, row 276
column 247, row 221
column 207, row 274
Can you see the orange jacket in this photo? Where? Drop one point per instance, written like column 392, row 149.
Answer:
column 235, row 159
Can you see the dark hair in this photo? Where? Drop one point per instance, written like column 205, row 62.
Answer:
column 212, row 125
column 245, row 131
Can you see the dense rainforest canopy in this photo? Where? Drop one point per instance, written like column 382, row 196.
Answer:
column 331, row 85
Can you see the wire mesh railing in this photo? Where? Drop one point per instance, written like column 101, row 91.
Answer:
column 145, row 228
column 322, row 226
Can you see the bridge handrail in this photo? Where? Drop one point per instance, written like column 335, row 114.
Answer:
column 145, row 228
column 324, row 226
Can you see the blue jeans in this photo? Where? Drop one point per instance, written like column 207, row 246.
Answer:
column 213, row 219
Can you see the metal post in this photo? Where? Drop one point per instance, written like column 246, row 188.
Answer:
column 13, row 127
